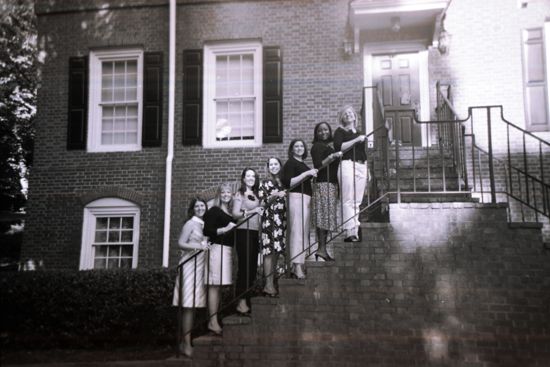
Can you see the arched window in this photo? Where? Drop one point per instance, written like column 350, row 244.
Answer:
column 110, row 235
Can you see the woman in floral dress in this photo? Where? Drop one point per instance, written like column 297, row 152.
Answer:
column 272, row 195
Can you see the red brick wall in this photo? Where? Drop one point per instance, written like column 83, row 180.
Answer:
column 317, row 81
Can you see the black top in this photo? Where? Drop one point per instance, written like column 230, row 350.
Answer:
column 342, row 135
column 319, row 152
column 216, row 218
column 293, row 168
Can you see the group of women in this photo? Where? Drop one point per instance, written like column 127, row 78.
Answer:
column 255, row 219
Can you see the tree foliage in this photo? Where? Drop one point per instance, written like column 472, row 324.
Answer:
column 18, row 84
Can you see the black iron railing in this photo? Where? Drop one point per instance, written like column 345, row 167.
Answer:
column 306, row 249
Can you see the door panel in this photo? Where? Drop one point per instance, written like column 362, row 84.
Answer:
column 397, row 76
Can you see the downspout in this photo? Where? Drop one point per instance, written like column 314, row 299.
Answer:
column 170, row 153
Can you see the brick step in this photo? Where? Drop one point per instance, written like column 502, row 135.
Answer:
column 421, row 197
column 421, row 184
column 418, row 163
column 435, row 277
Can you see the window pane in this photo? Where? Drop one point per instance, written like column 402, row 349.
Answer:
column 100, row 251
column 131, row 80
column 99, row 264
column 131, row 138
column 131, row 94
column 112, row 264
column 100, row 236
column 248, row 75
column 106, row 81
column 126, row 263
column 120, row 67
column 132, row 111
column 127, row 251
column 221, row 76
column 114, row 236
column 126, row 236
column 127, row 222
column 101, row 223
column 118, row 138
column 120, row 124
column 107, row 68
column 114, row 222
column 114, row 251
column 234, row 76
column 106, row 95
column 108, row 112
column 131, row 66
column 131, row 125
column 106, row 139
column 119, row 95
column 119, row 81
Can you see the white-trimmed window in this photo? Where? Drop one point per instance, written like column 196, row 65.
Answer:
column 115, row 103
column 110, row 235
column 232, row 95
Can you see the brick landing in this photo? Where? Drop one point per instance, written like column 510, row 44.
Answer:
column 444, row 284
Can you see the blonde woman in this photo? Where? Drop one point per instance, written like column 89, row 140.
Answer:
column 352, row 172
column 218, row 226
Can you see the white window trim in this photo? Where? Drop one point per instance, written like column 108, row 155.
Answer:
column 546, row 45
column 94, row 111
column 109, row 207
column 209, row 80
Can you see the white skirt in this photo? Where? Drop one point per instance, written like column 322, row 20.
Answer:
column 194, row 290
column 219, row 269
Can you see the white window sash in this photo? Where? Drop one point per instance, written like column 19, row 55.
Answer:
column 96, row 105
column 107, row 207
column 209, row 94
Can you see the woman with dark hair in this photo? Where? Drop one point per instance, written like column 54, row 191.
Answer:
column 218, row 225
column 297, row 173
column 272, row 195
column 352, row 173
column 325, row 189
column 246, row 204
column 190, row 242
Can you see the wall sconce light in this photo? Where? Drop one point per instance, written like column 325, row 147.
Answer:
column 444, row 42
column 395, row 24
column 348, row 47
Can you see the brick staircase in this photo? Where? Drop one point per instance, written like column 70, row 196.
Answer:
column 442, row 284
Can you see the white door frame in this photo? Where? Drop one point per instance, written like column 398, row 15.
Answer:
column 375, row 48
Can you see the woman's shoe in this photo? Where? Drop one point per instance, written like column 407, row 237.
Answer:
column 270, row 295
column 216, row 332
column 185, row 352
column 325, row 257
column 349, row 239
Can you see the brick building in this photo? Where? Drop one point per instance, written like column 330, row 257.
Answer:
column 116, row 117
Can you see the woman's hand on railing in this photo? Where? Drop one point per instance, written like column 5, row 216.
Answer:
column 257, row 210
column 312, row 172
column 227, row 228
column 336, row 155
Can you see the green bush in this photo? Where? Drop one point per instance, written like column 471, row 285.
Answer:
column 47, row 309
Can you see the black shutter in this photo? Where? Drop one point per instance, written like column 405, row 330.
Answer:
column 273, row 95
column 78, row 103
column 152, row 100
column 192, row 97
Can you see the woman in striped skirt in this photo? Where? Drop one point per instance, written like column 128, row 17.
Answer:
column 192, row 244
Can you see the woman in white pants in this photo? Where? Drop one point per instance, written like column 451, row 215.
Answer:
column 352, row 172
column 296, row 172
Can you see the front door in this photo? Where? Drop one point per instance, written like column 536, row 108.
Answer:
column 397, row 78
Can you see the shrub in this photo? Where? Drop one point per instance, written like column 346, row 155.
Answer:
column 47, row 309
